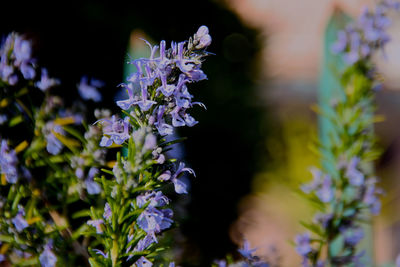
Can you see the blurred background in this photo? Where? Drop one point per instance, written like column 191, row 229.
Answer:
column 250, row 150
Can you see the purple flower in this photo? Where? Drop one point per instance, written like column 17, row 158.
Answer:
column 144, row 104
column 3, row 119
column 92, row 187
column 246, row 251
column 47, row 258
column 22, row 50
column 19, row 222
column 323, row 219
column 5, row 71
column 202, row 37
column 27, row 71
column 53, row 146
column 221, row 263
column 325, row 192
column 353, row 235
column 303, row 246
column 99, row 252
column 97, row 224
column 162, row 127
column 126, row 104
column 117, row 131
column 177, row 120
column 165, row 176
column 356, row 177
column 88, row 91
column 180, row 187
column 46, row 82
column 321, row 184
column 145, row 242
column 107, row 212
column 398, row 261
column 341, row 43
column 366, row 34
column 165, row 88
column 155, row 199
column 152, row 220
column 143, row 262
column 8, row 163
column 150, row 142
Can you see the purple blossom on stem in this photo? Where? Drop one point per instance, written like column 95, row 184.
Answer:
column 126, row 104
column 107, row 212
column 246, row 250
column 99, row 252
column 46, row 82
column 321, row 184
column 366, row 34
column 353, row 235
column 115, row 130
column 162, row 127
column 89, row 90
column 155, row 199
column 53, row 145
column 356, row 177
column 92, row 187
column 152, row 220
column 27, row 71
column 145, row 242
column 97, row 224
column 180, row 187
column 19, row 221
column 8, row 163
column 303, row 246
column 47, row 257
column 22, row 50
column 143, row 262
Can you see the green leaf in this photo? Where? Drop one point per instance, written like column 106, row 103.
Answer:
column 15, row 121
column 336, row 246
column 80, row 214
column 6, row 239
column 80, row 231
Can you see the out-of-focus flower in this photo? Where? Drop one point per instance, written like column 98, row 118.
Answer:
column 46, row 82
column 89, row 90
column 48, row 258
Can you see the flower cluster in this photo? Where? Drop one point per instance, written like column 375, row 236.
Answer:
column 136, row 210
column 359, row 40
column 344, row 189
column 16, row 59
column 40, row 151
column 159, row 87
column 355, row 194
